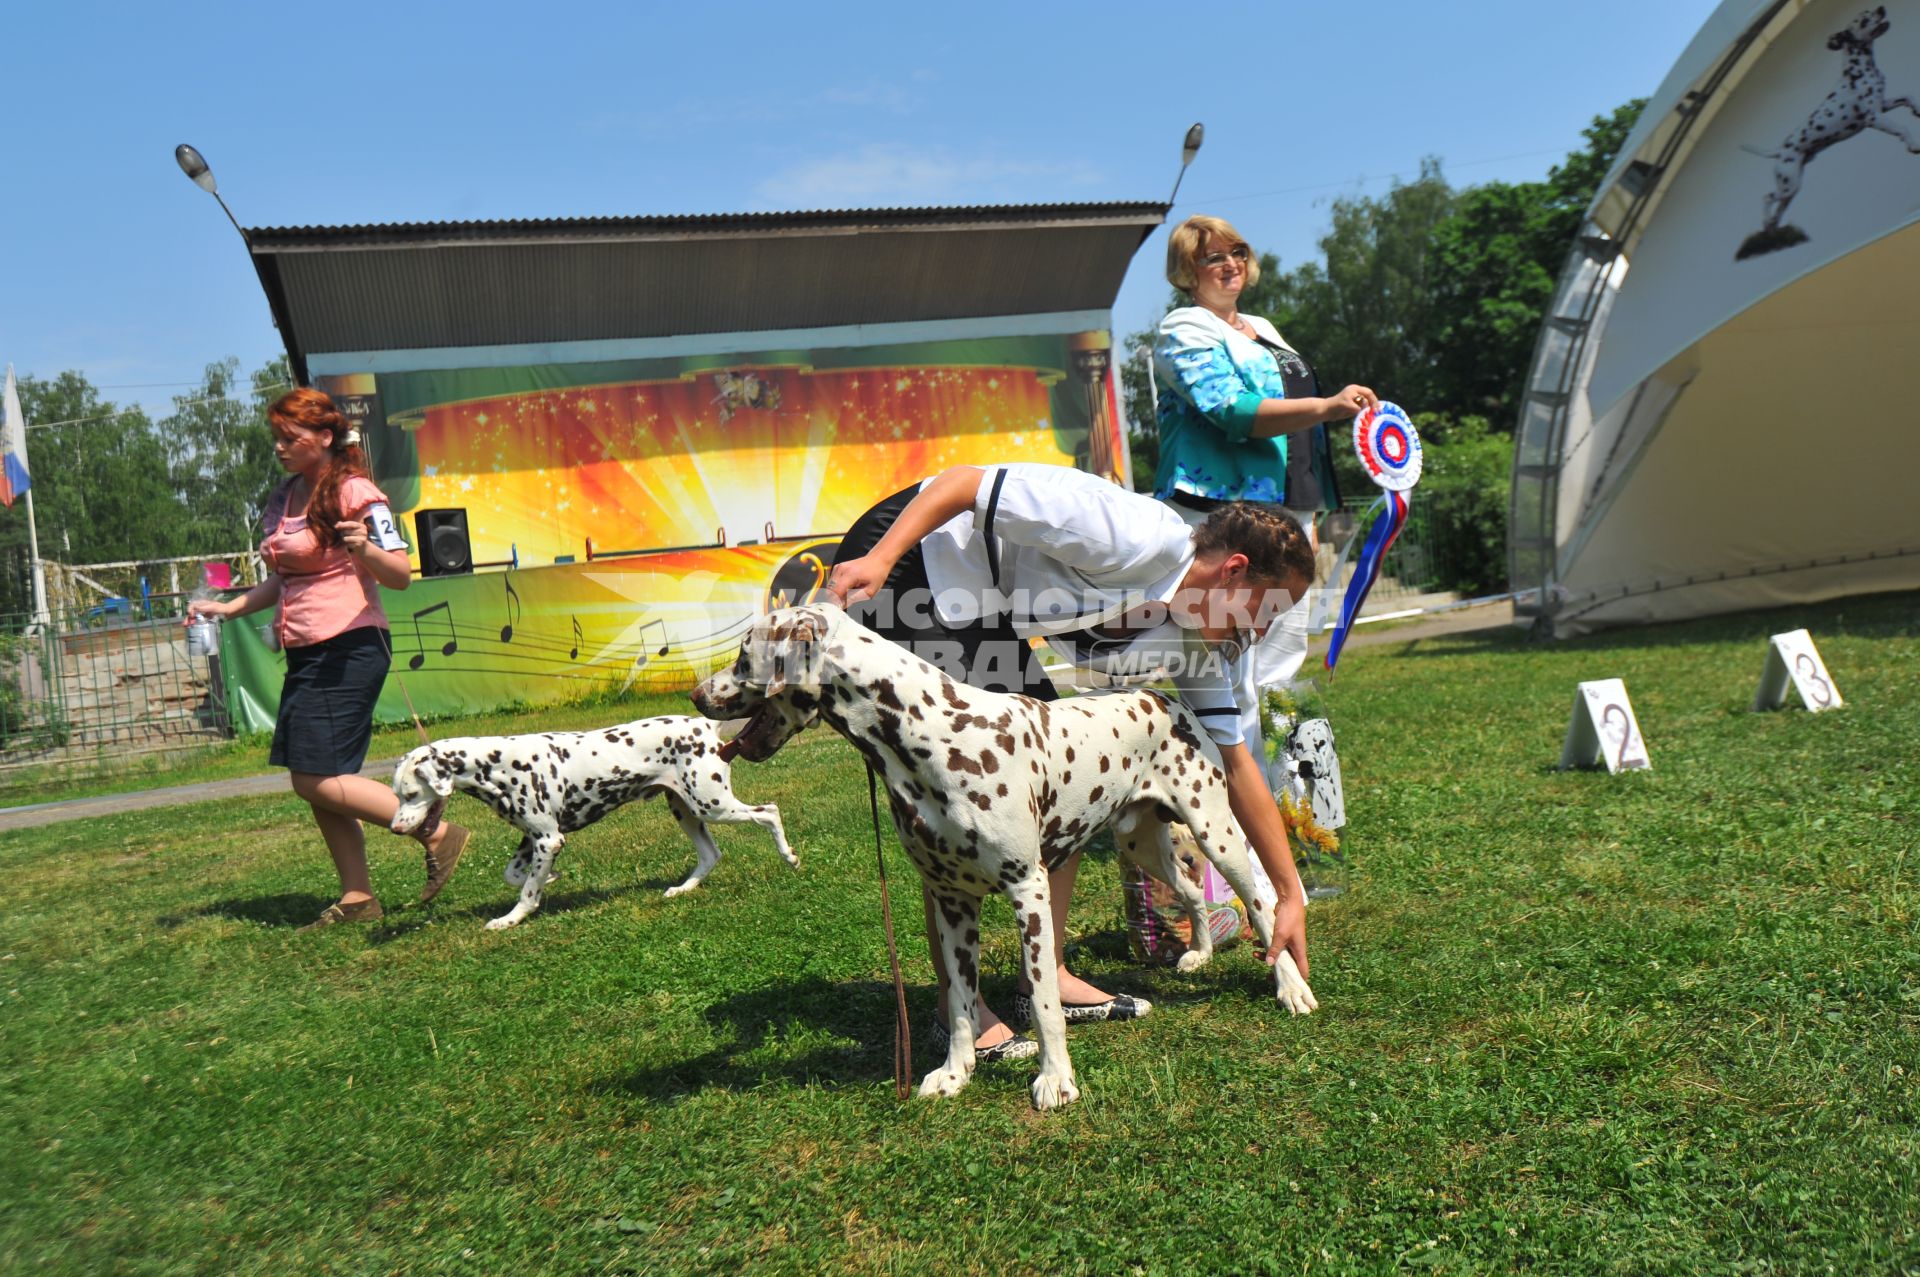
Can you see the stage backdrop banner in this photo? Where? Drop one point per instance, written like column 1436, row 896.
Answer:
column 654, row 508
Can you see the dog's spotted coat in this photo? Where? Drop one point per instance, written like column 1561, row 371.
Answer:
column 988, row 792
column 551, row 784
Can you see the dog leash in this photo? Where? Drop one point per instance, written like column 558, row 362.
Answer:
column 902, row 1031
column 419, row 727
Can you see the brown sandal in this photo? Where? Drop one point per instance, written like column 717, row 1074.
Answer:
column 358, row 911
column 440, row 864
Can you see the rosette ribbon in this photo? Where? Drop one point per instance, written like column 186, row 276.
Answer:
column 1389, row 450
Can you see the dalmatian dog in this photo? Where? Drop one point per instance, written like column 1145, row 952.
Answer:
column 1857, row 103
column 551, row 784
column 988, row 792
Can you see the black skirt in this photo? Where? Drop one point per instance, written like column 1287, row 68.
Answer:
column 326, row 705
column 988, row 655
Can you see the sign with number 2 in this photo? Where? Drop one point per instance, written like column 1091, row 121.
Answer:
column 1604, row 729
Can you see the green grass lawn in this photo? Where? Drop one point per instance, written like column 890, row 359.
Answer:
column 1665, row 1022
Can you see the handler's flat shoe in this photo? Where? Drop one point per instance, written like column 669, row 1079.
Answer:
column 1017, row 1047
column 440, row 863
column 358, row 911
column 1124, row 1007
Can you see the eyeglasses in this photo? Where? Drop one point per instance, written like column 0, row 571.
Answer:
column 1214, row 261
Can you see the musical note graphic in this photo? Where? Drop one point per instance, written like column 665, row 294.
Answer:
column 573, row 653
column 641, row 657
column 513, row 610
column 452, row 644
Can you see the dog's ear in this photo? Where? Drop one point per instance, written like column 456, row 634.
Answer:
column 403, row 774
column 787, row 648
column 813, row 624
column 438, row 780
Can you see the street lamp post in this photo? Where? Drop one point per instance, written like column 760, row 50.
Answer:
column 1189, row 148
column 195, row 166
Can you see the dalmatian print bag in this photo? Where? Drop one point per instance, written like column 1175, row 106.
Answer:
column 1315, row 768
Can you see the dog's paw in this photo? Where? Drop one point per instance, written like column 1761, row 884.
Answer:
column 503, row 922
column 1190, row 961
column 1290, row 990
column 1050, row 1092
column 943, row 1082
column 680, row 890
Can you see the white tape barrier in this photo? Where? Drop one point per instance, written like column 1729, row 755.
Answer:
column 1604, row 729
column 1792, row 660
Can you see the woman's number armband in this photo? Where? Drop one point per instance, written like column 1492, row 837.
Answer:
column 381, row 529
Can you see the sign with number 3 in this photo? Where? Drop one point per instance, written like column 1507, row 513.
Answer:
column 1604, row 729
column 1793, row 659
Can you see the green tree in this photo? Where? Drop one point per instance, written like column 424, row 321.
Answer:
column 1363, row 312
column 101, row 488
column 223, row 455
column 1494, row 264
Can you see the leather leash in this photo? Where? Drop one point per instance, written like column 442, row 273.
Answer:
column 902, row 1031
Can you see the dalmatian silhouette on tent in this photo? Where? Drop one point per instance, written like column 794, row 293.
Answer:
column 1857, row 103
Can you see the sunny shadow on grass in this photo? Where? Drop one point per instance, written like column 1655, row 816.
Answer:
column 1664, row 1022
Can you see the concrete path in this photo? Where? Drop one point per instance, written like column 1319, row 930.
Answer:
column 173, row 796
column 1464, row 621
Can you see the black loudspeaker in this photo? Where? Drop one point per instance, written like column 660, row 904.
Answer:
column 443, row 544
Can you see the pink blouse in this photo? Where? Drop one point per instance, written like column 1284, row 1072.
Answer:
column 323, row 593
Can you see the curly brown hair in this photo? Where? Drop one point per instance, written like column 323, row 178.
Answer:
column 312, row 410
column 1277, row 547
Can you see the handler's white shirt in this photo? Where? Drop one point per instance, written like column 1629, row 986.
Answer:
column 1077, row 550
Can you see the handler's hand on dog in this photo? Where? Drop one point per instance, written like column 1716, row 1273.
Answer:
column 1290, row 933
column 859, row 579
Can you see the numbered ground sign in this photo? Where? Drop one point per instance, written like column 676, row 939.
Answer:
column 1604, row 729
column 1793, row 660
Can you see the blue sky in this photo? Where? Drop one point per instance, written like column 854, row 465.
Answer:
column 118, row 266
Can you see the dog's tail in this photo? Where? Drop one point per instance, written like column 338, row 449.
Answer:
column 1754, row 150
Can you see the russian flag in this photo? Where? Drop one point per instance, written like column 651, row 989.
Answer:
column 13, row 438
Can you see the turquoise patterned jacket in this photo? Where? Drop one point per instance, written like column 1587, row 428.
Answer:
column 1211, row 381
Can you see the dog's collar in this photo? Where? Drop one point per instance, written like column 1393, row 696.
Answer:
column 728, row 749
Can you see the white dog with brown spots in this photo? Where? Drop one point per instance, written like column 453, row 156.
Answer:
column 989, row 791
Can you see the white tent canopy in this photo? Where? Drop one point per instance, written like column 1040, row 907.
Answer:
column 1719, row 413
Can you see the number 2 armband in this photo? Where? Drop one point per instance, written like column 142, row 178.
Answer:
column 382, row 531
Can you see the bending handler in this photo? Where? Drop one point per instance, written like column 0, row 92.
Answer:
column 964, row 568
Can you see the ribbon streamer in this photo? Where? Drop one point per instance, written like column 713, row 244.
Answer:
column 1389, row 449
column 1379, row 540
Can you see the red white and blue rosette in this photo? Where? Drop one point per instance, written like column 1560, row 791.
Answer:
column 1389, row 447
column 1389, row 451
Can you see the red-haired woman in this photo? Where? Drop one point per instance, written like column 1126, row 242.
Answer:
column 330, row 540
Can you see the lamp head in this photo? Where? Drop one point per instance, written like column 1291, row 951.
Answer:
column 1191, row 147
column 195, row 166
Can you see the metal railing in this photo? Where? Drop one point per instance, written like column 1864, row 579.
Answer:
column 113, row 678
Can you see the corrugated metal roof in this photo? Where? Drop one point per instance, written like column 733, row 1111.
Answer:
column 700, row 225
column 440, row 284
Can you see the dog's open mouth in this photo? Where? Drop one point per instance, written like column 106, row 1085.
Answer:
column 759, row 739
column 426, row 824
